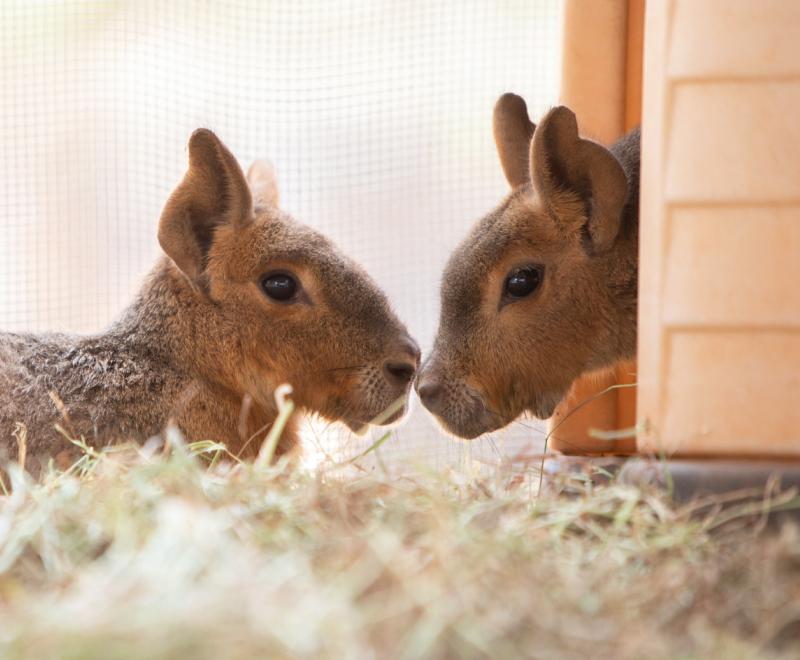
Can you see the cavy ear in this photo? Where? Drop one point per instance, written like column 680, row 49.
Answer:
column 213, row 193
column 263, row 183
column 567, row 170
column 512, row 135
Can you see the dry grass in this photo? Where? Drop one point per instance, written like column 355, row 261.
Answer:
column 136, row 554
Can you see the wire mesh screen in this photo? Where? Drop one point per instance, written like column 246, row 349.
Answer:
column 376, row 114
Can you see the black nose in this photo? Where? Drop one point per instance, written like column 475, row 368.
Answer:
column 431, row 394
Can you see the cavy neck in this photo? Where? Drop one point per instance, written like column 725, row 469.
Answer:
column 623, row 274
column 174, row 322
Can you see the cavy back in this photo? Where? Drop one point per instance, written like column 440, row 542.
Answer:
column 90, row 387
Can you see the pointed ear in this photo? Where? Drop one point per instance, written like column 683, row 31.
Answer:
column 512, row 135
column 263, row 182
column 213, row 193
column 567, row 170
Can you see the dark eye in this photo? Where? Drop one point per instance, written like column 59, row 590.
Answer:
column 523, row 282
column 279, row 286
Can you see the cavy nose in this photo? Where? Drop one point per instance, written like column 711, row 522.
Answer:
column 399, row 370
column 430, row 389
column 430, row 393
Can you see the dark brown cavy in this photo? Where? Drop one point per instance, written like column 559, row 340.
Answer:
column 246, row 299
column 543, row 289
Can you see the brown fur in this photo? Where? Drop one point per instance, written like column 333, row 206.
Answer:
column 202, row 344
column 573, row 211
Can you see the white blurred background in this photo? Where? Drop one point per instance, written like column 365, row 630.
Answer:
column 377, row 115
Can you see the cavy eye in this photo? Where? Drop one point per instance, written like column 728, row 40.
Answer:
column 522, row 282
column 280, row 287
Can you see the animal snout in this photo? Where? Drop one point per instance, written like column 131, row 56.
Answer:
column 430, row 387
column 430, row 393
column 399, row 370
column 459, row 407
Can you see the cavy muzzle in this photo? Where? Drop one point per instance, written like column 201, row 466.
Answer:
column 384, row 389
column 460, row 408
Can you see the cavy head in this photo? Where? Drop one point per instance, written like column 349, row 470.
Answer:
column 288, row 305
column 528, row 298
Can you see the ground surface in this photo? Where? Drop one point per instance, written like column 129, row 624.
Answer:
column 159, row 555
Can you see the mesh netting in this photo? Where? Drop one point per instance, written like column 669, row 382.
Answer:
column 377, row 115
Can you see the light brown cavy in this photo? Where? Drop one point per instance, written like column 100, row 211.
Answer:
column 543, row 289
column 246, row 299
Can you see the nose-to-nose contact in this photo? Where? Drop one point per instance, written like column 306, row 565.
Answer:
column 399, row 370
column 430, row 393
column 429, row 388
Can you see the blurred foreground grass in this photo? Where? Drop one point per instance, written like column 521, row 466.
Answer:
column 147, row 554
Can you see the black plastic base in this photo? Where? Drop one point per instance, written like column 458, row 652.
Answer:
column 689, row 479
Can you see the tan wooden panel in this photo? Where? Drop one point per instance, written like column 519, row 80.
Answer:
column 626, row 374
column 589, row 407
column 733, row 266
column 733, row 142
column 594, row 65
column 732, row 393
column 655, row 101
column 633, row 64
column 719, row 345
column 735, row 38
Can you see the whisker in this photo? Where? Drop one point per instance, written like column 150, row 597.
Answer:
column 516, row 421
column 530, row 427
column 355, row 367
column 256, row 434
column 493, row 445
